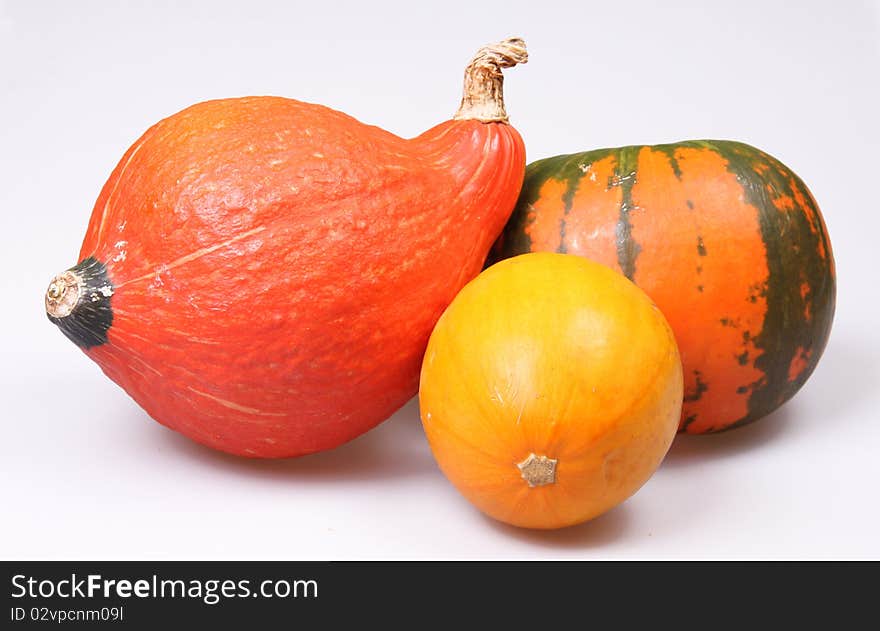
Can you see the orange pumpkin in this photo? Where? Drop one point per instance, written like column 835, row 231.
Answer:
column 242, row 273
column 726, row 239
column 551, row 390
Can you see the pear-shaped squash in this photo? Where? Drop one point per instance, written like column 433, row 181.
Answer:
column 262, row 274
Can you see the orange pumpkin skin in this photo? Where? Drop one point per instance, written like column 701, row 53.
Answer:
column 726, row 240
column 550, row 357
column 277, row 266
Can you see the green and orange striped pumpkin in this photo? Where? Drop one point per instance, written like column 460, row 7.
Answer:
column 727, row 241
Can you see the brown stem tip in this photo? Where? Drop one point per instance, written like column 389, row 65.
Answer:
column 538, row 470
column 78, row 302
column 63, row 294
column 483, row 96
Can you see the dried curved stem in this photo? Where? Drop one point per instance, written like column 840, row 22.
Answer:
column 483, row 96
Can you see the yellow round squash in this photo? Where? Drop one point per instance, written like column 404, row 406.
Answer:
column 551, row 390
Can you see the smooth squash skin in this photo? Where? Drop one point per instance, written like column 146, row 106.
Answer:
column 262, row 274
column 726, row 240
column 550, row 391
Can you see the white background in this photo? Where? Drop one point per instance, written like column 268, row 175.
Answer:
column 86, row 474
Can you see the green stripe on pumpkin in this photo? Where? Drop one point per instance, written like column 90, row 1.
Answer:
column 792, row 263
column 625, row 176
